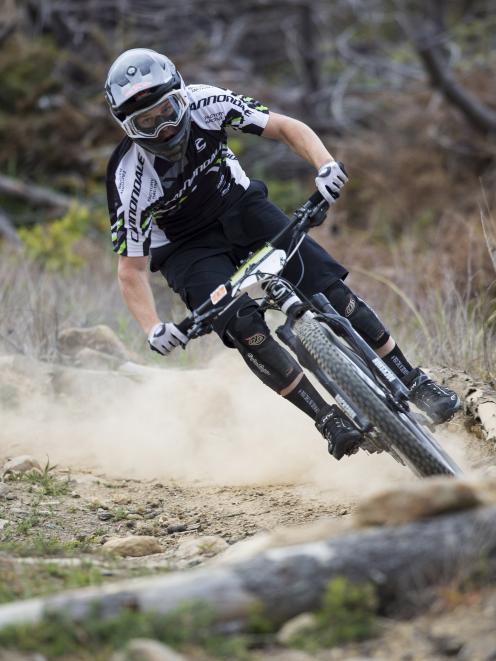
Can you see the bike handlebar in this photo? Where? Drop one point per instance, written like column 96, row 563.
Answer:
column 314, row 201
column 185, row 325
column 315, row 198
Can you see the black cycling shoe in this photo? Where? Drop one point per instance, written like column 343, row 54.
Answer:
column 439, row 403
column 341, row 435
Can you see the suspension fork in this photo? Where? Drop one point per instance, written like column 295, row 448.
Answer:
column 291, row 305
column 397, row 389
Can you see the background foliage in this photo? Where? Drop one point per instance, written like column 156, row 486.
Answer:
column 403, row 92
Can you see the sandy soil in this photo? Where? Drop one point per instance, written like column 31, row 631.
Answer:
column 188, row 453
column 209, row 449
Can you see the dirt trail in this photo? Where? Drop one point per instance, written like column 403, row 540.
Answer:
column 181, row 455
column 208, row 448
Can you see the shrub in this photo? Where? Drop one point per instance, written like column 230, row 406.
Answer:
column 347, row 613
column 53, row 244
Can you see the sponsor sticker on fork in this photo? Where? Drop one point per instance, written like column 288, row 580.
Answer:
column 218, row 294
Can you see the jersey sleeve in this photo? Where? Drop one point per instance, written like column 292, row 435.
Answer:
column 221, row 108
column 130, row 228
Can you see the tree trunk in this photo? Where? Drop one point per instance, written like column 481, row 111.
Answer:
column 404, row 563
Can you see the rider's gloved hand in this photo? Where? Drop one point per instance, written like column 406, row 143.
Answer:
column 163, row 338
column 330, row 180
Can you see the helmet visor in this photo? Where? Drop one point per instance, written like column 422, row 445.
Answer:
column 151, row 121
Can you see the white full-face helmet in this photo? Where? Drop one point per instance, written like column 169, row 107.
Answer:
column 147, row 97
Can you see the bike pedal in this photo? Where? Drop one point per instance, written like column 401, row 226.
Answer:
column 370, row 445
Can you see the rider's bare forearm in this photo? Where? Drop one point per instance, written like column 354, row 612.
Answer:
column 299, row 137
column 136, row 291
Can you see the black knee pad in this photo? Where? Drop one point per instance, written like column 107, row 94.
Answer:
column 363, row 319
column 266, row 358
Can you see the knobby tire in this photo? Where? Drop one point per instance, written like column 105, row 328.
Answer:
column 416, row 449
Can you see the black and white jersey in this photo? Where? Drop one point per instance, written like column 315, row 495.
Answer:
column 153, row 202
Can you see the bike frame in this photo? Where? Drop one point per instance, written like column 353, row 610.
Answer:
column 261, row 271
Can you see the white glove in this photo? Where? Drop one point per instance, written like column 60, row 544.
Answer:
column 330, row 180
column 163, row 338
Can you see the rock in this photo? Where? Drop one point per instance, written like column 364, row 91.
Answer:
column 4, row 490
column 176, row 527
column 3, row 523
column 92, row 359
column 295, row 627
column 285, row 536
column 121, row 499
column 21, row 464
column 104, row 515
column 481, row 404
column 418, row 500
column 481, row 647
column 83, row 383
column 447, row 645
column 134, row 545
column 206, row 546
column 24, row 376
column 142, row 649
column 99, row 338
column 144, row 528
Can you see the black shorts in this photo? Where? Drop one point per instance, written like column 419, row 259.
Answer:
column 196, row 266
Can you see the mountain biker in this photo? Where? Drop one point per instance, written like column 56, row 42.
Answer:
column 179, row 195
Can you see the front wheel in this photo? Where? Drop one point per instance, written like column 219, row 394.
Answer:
column 415, row 446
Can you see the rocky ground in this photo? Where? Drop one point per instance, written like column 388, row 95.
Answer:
column 59, row 524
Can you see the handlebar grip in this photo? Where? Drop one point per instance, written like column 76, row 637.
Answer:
column 316, row 198
column 185, row 325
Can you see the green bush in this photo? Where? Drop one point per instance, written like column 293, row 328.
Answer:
column 26, row 71
column 53, row 244
column 95, row 637
column 347, row 614
column 288, row 195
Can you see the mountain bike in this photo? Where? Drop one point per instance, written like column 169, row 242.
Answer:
column 325, row 343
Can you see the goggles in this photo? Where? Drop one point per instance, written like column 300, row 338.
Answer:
column 148, row 122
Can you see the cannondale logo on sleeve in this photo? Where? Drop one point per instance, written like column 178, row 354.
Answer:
column 200, row 144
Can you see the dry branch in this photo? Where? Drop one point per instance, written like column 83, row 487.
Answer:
column 426, row 28
column 481, row 117
column 403, row 562
column 33, row 194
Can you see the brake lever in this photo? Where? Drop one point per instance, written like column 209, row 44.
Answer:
column 319, row 214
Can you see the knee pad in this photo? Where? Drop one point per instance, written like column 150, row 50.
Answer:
column 266, row 358
column 361, row 316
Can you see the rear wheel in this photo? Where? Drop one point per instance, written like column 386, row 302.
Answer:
column 415, row 446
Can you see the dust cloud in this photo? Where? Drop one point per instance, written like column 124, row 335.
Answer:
column 214, row 425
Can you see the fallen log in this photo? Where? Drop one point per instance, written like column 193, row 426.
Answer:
column 33, row 194
column 404, row 563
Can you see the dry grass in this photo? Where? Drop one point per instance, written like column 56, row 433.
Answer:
column 36, row 304
column 435, row 289
column 433, row 284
